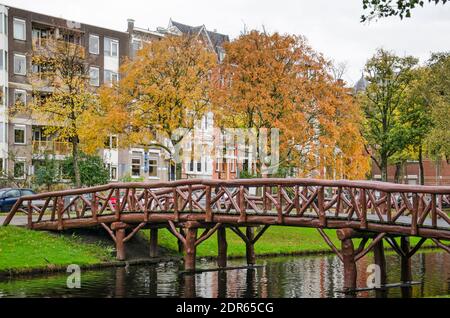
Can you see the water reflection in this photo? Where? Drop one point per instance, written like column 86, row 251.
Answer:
column 288, row 277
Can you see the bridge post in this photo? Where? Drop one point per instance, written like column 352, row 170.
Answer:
column 190, row 249
column 250, row 246
column 222, row 247
column 380, row 260
column 348, row 258
column 153, row 242
column 180, row 243
column 120, row 236
column 406, row 274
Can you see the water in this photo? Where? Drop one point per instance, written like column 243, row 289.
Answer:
column 281, row 277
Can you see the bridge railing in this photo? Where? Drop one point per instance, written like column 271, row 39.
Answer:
column 362, row 202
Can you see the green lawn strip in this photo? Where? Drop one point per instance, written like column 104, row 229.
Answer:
column 277, row 240
column 24, row 249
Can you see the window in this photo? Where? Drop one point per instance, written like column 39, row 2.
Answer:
column 218, row 165
column 114, row 173
column 19, row 135
column 13, row 193
column 153, row 167
column 111, row 77
column 191, row 166
column 199, row 167
column 136, row 45
column 2, row 132
column 19, row 170
column 232, row 165
column 111, row 47
column 94, row 76
column 2, row 23
column 20, row 97
column 136, row 163
column 94, row 44
column 20, row 64
column 19, row 29
column 114, row 142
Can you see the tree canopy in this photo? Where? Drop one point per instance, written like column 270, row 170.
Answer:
column 278, row 81
column 387, row 8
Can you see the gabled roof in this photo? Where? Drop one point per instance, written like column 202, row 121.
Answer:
column 216, row 39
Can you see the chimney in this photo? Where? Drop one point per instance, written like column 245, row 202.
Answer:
column 130, row 25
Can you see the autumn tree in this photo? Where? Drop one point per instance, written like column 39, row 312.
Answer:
column 163, row 89
column 438, row 86
column 387, row 8
column 389, row 77
column 60, row 82
column 278, row 81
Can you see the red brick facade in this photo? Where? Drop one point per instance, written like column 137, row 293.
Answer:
column 435, row 174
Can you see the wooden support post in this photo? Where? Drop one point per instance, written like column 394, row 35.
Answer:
column 154, row 242
column 250, row 247
column 348, row 258
column 120, row 245
column 189, row 286
column 380, row 260
column 222, row 247
column 190, row 249
column 30, row 215
column 180, row 243
column 119, row 229
column 406, row 274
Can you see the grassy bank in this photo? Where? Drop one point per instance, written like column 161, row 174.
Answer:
column 21, row 249
column 278, row 240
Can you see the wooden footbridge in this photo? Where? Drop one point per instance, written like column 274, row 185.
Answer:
column 372, row 212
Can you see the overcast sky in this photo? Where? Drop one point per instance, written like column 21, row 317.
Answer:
column 332, row 27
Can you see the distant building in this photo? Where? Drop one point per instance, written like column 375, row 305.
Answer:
column 22, row 142
column 197, row 167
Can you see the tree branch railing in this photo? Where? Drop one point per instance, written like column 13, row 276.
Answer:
column 362, row 204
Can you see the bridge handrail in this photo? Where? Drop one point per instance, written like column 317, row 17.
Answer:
column 167, row 187
column 372, row 185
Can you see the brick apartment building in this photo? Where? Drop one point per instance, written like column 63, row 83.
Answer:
column 207, row 166
column 22, row 142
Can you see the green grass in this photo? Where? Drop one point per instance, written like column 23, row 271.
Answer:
column 277, row 240
column 21, row 249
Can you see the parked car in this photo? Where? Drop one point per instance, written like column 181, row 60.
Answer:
column 9, row 197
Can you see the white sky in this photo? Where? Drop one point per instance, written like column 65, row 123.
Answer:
column 332, row 27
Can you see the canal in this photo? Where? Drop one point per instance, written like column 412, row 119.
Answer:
column 279, row 277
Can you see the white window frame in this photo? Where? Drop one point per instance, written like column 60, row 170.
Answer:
column 16, row 56
column 112, row 42
column 91, row 36
column 155, row 166
column 114, row 167
column 108, row 77
column 24, row 129
column 140, row 166
column 24, row 162
column 20, row 91
column 17, row 20
column 97, row 69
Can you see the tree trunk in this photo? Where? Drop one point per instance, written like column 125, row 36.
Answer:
column 421, row 170
column 398, row 172
column 384, row 168
column 76, row 158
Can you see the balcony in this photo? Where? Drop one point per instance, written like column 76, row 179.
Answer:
column 51, row 148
